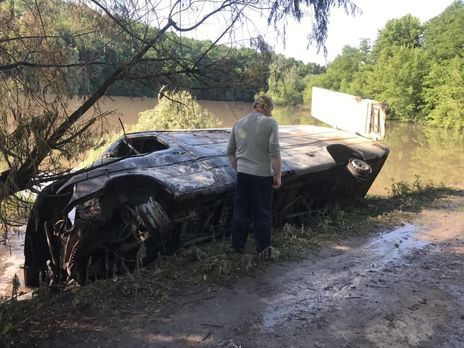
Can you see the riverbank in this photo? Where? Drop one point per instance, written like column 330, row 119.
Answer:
column 229, row 297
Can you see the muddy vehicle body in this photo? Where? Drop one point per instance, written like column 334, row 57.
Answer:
column 153, row 192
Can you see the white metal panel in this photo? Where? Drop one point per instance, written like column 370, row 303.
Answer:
column 353, row 114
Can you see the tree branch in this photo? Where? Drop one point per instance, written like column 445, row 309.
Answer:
column 225, row 4
column 41, row 37
column 46, row 66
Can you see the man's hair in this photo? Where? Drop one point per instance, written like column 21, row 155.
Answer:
column 263, row 101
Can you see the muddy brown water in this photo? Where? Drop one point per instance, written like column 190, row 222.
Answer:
column 432, row 154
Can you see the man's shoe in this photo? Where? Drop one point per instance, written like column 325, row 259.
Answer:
column 233, row 250
column 269, row 253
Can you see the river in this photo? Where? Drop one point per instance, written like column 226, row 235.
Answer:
column 432, row 154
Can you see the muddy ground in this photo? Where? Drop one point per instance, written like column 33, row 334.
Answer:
column 11, row 261
column 398, row 288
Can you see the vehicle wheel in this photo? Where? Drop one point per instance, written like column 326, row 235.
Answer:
column 157, row 221
column 359, row 169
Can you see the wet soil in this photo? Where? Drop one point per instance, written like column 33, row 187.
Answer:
column 11, row 261
column 398, row 288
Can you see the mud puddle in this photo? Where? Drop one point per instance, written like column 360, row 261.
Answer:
column 395, row 245
column 327, row 284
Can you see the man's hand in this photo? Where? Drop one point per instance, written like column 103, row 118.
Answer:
column 233, row 161
column 277, row 182
column 277, row 167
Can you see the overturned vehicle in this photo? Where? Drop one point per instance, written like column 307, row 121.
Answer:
column 153, row 192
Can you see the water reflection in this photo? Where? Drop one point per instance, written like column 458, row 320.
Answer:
column 228, row 113
column 433, row 154
column 293, row 115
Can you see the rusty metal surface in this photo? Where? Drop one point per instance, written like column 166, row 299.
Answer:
column 177, row 189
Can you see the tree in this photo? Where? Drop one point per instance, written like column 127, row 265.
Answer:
column 397, row 79
column 399, row 65
column 176, row 110
column 45, row 51
column 443, row 86
column 415, row 69
column 444, row 34
column 287, row 79
column 406, row 31
column 444, row 93
column 341, row 75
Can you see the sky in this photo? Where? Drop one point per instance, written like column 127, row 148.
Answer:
column 348, row 30
column 343, row 29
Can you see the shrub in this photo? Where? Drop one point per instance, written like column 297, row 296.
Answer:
column 176, row 110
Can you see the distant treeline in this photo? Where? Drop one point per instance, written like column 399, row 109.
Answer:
column 235, row 74
column 208, row 70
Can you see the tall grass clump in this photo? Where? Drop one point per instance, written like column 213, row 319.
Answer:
column 413, row 195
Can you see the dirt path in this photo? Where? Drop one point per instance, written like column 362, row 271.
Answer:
column 401, row 288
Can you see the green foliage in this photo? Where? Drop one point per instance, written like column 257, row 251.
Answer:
column 295, row 240
column 284, row 88
column 92, row 154
column 291, row 115
column 176, row 110
column 406, row 31
column 396, row 79
column 287, row 80
column 226, row 73
column 412, row 196
column 403, row 189
column 444, row 34
column 444, row 93
column 342, row 75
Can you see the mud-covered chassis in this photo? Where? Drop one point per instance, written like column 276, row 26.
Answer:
column 132, row 218
column 127, row 226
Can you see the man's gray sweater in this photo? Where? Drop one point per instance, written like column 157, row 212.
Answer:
column 254, row 141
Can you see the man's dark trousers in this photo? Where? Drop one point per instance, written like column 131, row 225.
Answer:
column 252, row 204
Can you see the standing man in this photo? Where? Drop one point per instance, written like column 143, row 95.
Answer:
column 254, row 152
